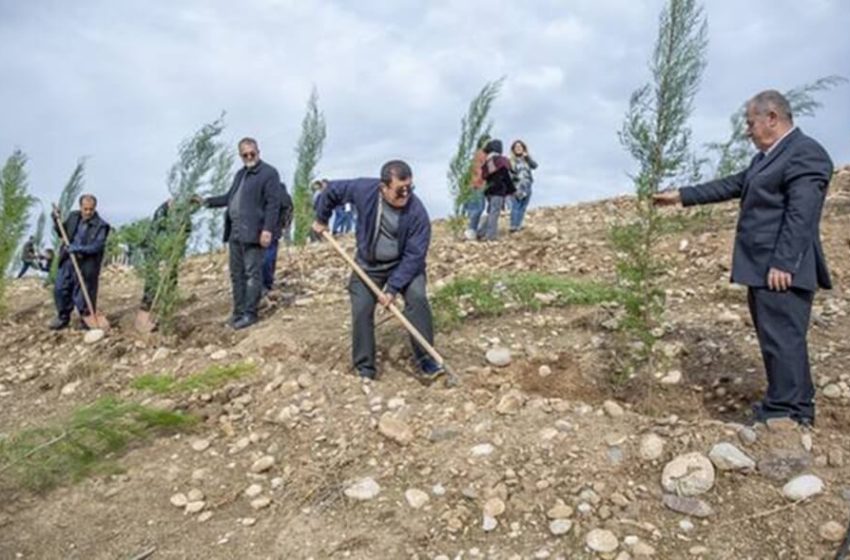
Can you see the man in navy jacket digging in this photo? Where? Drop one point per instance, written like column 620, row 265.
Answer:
column 393, row 234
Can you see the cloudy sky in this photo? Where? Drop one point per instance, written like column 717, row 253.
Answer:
column 124, row 82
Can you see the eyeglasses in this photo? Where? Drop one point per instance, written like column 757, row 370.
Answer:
column 248, row 155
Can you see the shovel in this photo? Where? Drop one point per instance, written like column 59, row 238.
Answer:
column 451, row 378
column 92, row 320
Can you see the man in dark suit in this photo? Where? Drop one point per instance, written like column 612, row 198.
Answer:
column 87, row 234
column 777, row 253
column 251, row 223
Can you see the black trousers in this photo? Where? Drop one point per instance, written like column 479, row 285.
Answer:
column 67, row 293
column 246, row 266
column 781, row 320
column 363, row 302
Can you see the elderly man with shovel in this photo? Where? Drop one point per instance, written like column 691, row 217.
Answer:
column 393, row 235
column 84, row 235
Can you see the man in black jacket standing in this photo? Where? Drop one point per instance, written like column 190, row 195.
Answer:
column 778, row 253
column 251, row 222
column 87, row 233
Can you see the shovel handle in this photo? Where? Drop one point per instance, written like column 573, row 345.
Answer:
column 377, row 291
column 77, row 270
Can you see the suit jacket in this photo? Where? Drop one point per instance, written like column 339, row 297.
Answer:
column 93, row 248
column 782, row 196
column 260, row 203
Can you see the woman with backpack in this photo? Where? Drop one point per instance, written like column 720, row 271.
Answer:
column 521, row 170
column 496, row 171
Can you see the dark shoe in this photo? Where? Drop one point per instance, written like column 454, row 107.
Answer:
column 58, row 323
column 429, row 369
column 245, row 321
column 233, row 319
column 81, row 325
column 366, row 374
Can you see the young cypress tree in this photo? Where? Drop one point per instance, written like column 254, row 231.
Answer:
column 67, row 201
column 15, row 205
column 168, row 239
column 308, row 152
column 656, row 134
column 473, row 126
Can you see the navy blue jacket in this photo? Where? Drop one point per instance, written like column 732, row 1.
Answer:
column 782, row 196
column 261, row 204
column 91, row 251
column 414, row 226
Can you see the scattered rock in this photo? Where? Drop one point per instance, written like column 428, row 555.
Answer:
column 261, row 503
column 687, row 506
column 729, row 318
column 806, row 441
column 218, row 355
column 489, row 524
column 363, row 489
column 727, row 457
column 253, row 491
column 831, row 531
column 781, row 424
column 195, row 507
column 494, row 507
column 201, row 445
column 416, row 498
column 70, row 388
column 832, row 391
column 94, row 335
column 560, row 527
column 601, row 540
column 499, row 356
column 179, row 500
column 613, row 409
column 482, row 450
column 651, row 447
column 802, row 487
column 673, row 377
column 195, row 495
column 205, row 516
column 560, row 511
column 544, row 371
column 263, row 464
column 747, row 435
column 395, row 429
column 511, row 402
column 688, row 475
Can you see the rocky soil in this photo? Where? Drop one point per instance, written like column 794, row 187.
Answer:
column 537, row 454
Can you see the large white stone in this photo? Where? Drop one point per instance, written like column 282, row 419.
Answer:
column 727, row 457
column 498, row 356
column 601, row 540
column 363, row 489
column 690, row 474
column 802, row 487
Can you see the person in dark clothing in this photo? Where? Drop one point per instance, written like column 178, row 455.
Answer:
column 45, row 260
column 496, row 171
column 393, row 234
column 270, row 256
column 251, row 223
column 157, row 228
column 778, row 253
column 29, row 257
column 87, row 233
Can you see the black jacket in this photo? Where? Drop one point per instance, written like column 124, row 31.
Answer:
column 782, row 196
column 90, row 255
column 286, row 208
column 260, row 203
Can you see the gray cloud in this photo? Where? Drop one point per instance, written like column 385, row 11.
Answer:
column 125, row 82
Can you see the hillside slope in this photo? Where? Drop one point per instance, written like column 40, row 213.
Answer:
column 542, row 458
